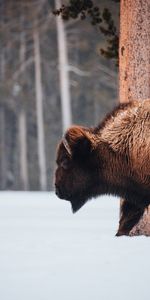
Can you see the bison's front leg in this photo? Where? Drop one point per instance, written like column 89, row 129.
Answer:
column 130, row 215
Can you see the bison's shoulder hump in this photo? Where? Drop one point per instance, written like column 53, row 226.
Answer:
column 127, row 124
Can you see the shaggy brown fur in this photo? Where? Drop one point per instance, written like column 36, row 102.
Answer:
column 113, row 158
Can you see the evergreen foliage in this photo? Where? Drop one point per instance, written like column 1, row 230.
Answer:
column 102, row 18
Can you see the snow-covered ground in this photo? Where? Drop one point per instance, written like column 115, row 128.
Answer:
column 47, row 253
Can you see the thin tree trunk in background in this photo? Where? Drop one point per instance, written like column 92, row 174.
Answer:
column 135, row 67
column 63, row 71
column 23, row 149
column 2, row 129
column 23, row 129
column 39, row 111
column 3, row 64
column 3, row 149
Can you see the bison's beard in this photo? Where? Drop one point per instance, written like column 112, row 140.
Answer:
column 77, row 203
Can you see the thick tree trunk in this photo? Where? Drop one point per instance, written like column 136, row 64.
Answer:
column 135, row 69
column 39, row 110
column 63, row 72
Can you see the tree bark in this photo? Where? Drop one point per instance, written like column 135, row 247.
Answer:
column 134, row 64
column 63, row 72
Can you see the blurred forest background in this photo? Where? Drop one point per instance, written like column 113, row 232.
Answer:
column 32, row 41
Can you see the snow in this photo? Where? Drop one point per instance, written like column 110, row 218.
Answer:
column 46, row 252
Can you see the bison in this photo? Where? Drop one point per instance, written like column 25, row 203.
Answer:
column 112, row 158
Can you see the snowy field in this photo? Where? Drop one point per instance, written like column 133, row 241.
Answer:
column 47, row 253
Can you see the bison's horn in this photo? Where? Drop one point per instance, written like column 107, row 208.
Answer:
column 66, row 145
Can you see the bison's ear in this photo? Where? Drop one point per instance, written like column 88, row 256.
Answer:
column 78, row 142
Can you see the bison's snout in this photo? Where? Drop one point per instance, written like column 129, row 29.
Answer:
column 61, row 193
column 76, row 202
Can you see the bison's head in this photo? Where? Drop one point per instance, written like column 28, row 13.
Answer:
column 76, row 174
